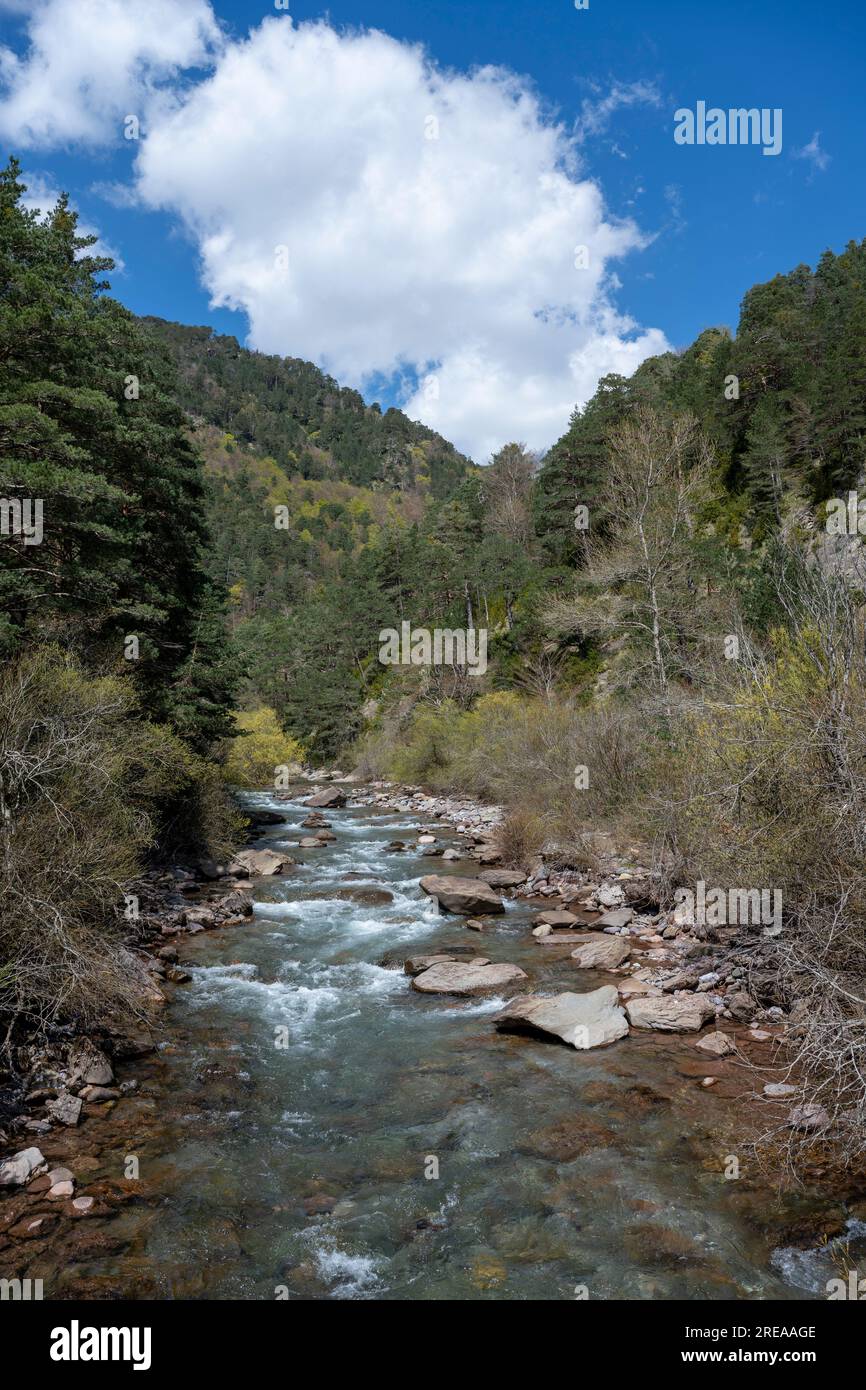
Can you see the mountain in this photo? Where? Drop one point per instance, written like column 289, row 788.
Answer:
column 288, row 410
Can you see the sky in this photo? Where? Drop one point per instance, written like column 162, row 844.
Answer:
column 470, row 210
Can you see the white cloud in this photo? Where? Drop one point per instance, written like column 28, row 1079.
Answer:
column 597, row 113
column 818, row 158
column 89, row 63
column 41, row 197
column 430, row 218
column 452, row 255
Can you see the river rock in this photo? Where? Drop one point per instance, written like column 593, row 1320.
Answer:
column 199, row 917
column 555, row 917
column 599, row 952
column 266, row 818
column 670, row 1013
column 236, row 905
column 18, row 1169
column 413, row 965
column 66, row 1109
column 617, row 917
column 635, row 986
column 468, row 896
column 328, row 796
column 462, row 977
column 778, row 1090
column 95, row 1095
column 88, row 1066
column 610, row 895
column 719, row 1044
column 261, row 862
column 582, row 1020
column 741, row 1005
column 503, row 878
column 452, row 854
column 810, row 1117
column 543, row 930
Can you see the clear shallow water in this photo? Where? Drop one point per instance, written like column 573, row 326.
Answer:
column 309, row 1089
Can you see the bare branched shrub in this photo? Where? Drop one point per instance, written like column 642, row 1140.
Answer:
column 768, row 790
column 639, row 594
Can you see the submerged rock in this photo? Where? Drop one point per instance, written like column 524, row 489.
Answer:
column 719, row 1044
column 466, row 977
column 810, row 1117
column 582, row 1020
column 468, row 896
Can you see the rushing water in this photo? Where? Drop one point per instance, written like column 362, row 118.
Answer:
column 310, row 1094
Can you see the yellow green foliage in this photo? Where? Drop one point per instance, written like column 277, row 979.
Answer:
column 260, row 748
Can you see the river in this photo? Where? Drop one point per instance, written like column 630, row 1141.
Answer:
column 316, row 1129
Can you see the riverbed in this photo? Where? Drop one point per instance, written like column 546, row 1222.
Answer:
column 313, row 1128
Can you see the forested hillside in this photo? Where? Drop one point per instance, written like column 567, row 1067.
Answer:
column 117, row 682
column 289, row 411
column 366, row 542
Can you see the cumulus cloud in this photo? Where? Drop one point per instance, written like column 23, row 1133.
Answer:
column 363, row 207
column 380, row 215
column 87, row 64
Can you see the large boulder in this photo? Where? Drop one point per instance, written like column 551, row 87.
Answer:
column 328, row 796
column 600, row 952
column 262, row 862
column 670, row 1013
column 468, row 896
column 457, row 977
column 582, row 1020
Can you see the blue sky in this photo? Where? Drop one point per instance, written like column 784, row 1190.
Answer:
column 706, row 223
